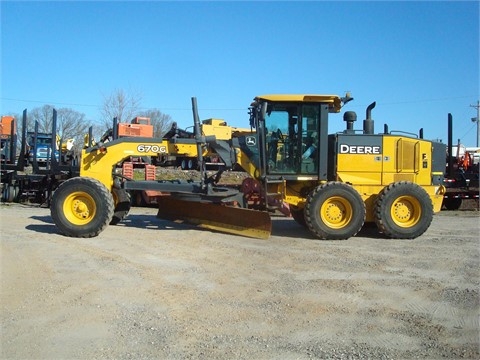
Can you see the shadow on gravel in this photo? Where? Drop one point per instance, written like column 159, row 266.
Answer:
column 287, row 227
column 281, row 226
column 133, row 221
column 47, row 228
column 370, row 230
column 151, row 222
column 44, row 229
column 46, row 219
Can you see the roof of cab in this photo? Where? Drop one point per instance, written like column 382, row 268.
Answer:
column 334, row 101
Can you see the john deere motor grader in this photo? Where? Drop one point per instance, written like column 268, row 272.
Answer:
column 331, row 184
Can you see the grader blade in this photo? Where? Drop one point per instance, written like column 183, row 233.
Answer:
column 232, row 220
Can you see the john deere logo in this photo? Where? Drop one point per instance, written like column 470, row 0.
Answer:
column 251, row 141
column 359, row 149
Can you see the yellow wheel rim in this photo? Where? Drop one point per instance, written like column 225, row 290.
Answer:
column 336, row 212
column 406, row 211
column 79, row 208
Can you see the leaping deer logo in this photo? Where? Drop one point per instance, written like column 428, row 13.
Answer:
column 251, row 141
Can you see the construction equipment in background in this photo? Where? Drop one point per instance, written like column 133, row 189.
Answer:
column 35, row 183
column 187, row 161
column 8, row 142
column 8, row 139
column 138, row 127
column 331, row 184
column 462, row 172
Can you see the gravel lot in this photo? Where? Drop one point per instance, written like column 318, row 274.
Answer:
column 152, row 289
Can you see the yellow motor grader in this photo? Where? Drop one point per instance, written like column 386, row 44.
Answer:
column 330, row 183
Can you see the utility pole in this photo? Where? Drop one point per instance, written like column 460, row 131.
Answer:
column 477, row 120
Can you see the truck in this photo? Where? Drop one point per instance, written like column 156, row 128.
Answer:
column 40, row 148
column 21, row 182
column 333, row 184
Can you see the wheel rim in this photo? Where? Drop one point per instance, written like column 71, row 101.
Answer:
column 336, row 212
column 406, row 211
column 79, row 208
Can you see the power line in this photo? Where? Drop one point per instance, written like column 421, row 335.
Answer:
column 47, row 102
column 231, row 109
column 467, row 132
column 100, row 106
column 425, row 100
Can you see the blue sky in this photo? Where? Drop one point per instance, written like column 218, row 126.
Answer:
column 418, row 60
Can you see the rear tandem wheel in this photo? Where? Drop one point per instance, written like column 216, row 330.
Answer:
column 82, row 207
column 334, row 211
column 403, row 210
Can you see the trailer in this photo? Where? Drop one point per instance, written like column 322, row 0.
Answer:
column 462, row 173
column 28, row 177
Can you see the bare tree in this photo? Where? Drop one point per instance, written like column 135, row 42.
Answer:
column 161, row 122
column 43, row 115
column 70, row 123
column 121, row 105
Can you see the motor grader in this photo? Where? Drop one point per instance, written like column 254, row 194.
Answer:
column 330, row 183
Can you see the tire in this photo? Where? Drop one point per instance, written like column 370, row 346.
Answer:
column 183, row 164
column 192, row 164
column 298, row 215
column 122, row 201
column 334, row 211
column 10, row 193
column 403, row 210
column 82, row 207
column 452, row 203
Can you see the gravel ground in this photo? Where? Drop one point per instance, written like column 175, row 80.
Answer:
column 152, row 289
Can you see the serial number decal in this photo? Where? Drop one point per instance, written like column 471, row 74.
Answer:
column 359, row 149
column 151, row 148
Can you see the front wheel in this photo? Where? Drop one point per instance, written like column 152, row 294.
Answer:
column 403, row 210
column 334, row 211
column 82, row 207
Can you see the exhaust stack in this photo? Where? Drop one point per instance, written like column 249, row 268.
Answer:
column 368, row 124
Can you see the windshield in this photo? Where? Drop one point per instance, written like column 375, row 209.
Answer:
column 41, row 140
column 291, row 138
